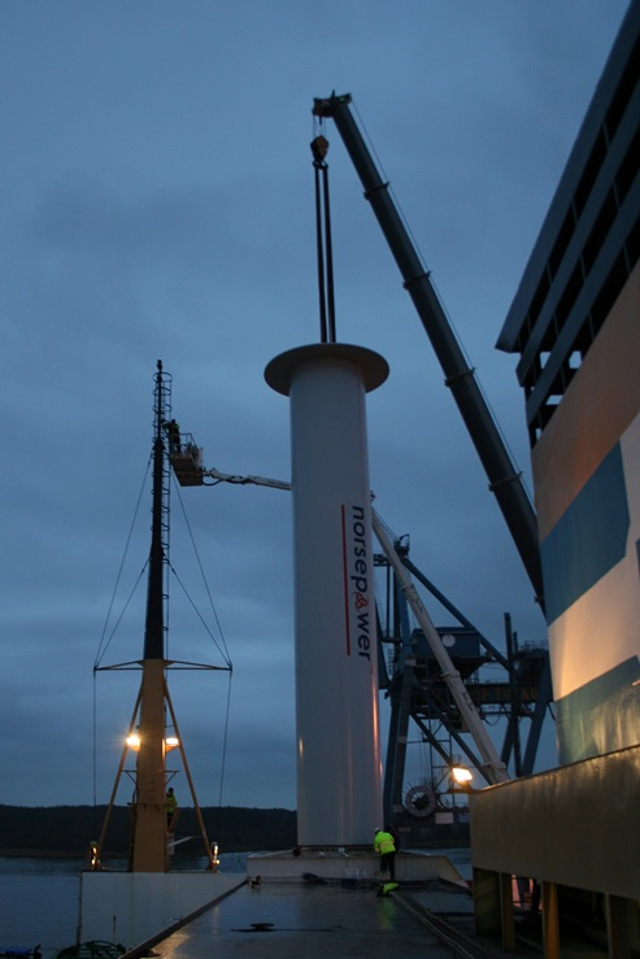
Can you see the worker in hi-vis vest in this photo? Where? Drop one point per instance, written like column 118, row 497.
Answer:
column 384, row 844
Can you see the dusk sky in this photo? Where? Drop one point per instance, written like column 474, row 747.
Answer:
column 157, row 203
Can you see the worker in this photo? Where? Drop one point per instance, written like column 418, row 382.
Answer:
column 172, row 805
column 384, row 844
column 172, row 429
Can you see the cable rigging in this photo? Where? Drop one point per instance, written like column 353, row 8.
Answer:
column 223, row 652
column 102, row 645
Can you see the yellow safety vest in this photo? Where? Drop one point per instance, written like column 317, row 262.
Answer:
column 383, row 843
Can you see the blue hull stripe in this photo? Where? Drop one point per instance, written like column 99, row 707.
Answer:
column 589, row 539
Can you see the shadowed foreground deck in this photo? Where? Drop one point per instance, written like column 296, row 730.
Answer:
column 292, row 920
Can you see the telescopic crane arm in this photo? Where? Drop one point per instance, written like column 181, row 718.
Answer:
column 505, row 481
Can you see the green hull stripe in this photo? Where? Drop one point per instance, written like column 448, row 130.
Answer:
column 600, row 717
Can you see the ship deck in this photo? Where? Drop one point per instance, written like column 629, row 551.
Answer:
column 284, row 919
column 287, row 920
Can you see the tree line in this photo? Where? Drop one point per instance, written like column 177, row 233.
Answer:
column 59, row 831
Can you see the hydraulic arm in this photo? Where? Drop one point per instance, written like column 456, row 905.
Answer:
column 504, row 480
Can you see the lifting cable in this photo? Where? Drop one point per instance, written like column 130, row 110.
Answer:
column 319, row 149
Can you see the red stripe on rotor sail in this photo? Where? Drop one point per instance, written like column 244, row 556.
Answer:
column 346, row 580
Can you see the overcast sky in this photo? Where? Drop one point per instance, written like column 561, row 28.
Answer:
column 156, row 201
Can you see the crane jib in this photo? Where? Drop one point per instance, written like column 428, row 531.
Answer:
column 505, row 480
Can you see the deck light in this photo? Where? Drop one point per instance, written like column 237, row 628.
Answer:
column 461, row 778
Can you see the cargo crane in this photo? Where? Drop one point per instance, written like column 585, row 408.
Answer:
column 514, row 688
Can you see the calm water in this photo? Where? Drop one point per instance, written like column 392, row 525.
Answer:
column 39, row 900
column 38, row 903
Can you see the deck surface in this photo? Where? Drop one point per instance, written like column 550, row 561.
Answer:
column 288, row 920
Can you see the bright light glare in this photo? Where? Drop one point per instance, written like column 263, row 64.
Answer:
column 461, row 775
column 214, row 854
column 171, row 742
column 133, row 741
column 95, row 855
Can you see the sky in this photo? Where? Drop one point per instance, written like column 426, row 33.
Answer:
column 156, row 200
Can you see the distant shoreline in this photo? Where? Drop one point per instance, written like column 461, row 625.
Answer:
column 40, row 854
column 66, row 832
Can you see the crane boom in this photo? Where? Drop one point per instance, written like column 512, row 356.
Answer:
column 505, row 481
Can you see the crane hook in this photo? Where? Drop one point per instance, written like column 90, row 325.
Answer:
column 319, row 149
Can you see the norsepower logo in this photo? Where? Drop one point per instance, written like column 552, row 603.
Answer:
column 356, row 559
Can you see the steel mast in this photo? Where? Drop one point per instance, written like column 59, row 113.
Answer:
column 149, row 840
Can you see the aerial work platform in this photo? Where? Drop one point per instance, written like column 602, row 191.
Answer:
column 186, row 459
